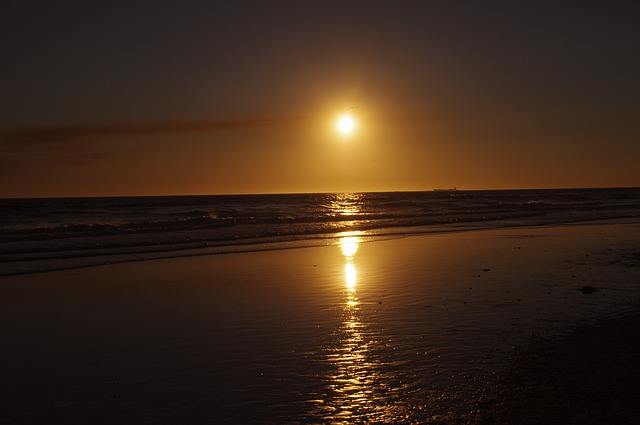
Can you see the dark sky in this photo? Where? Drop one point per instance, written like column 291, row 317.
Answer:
column 158, row 97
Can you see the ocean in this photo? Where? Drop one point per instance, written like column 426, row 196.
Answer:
column 57, row 233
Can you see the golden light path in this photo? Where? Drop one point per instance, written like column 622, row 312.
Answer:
column 352, row 382
column 356, row 391
column 350, row 276
column 349, row 243
column 346, row 204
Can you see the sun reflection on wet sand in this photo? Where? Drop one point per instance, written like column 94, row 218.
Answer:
column 349, row 243
column 350, row 276
column 355, row 388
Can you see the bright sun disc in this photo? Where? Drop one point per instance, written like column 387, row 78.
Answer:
column 346, row 124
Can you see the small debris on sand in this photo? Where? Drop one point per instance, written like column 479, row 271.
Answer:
column 588, row 289
column 486, row 270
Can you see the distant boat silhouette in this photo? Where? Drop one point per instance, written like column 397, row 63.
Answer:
column 446, row 190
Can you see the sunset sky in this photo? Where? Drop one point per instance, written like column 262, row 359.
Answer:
column 147, row 98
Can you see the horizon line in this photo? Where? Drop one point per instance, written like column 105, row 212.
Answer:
column 318, row 193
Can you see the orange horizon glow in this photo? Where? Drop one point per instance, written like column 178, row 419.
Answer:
column 395, row 152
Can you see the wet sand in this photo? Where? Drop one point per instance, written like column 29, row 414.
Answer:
column 417, row 329
column 589, row 377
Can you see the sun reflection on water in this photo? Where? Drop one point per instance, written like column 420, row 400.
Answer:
column 346, row 204
column 354, row 380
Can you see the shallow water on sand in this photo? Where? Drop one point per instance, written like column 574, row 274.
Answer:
column 394, row 330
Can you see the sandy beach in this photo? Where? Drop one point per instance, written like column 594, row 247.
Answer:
column 431, row 329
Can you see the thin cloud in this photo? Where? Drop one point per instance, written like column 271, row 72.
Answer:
column 64, row 133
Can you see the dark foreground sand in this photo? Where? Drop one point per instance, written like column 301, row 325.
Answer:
column 590, row 377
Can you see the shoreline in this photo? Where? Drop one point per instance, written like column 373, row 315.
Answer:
column 49, row 264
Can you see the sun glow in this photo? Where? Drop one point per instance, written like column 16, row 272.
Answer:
column 346, row 124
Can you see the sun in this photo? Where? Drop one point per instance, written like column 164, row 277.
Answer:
column 346, row 124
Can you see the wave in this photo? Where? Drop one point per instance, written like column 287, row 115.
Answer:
column 39, row 235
